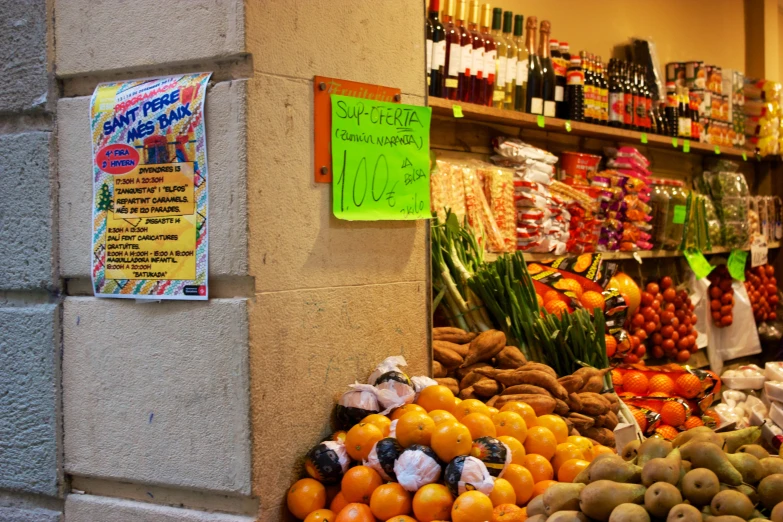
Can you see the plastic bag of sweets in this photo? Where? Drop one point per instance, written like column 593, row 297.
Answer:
column 450, row 188
column 479, row 214
column 500, row 182
column 519, row 151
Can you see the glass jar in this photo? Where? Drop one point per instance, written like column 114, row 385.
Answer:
column 677, row 214
column 659, row 204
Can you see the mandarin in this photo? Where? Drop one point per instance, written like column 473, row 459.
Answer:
column 509, row 513
column 390, row 500
column 524, row 409
column 469, row 406
column 541, row 441
column 539, row 467
column 502, row 493
column 592, row 300
column 414, row 428
column 521, row 480
column 584, row 444
column 355, row 513
column 439, row 416
column 402, row 410
column 565, row 451
column 673, row 413
column 479, row 425
column 688, row 385
column 568, row 471
column 338, row 503
column 321, row 515
column 432, row 502
column 359, row 483
column 542, row 486
column 666, row 431
column 661, row 383
column 516, row 447
column 436, row 398
column 360, row 439
column 305, row 496
column 556, row 425
column 471, row 506
column 511, row 424
column 635, row 382
column 451, row 439
column 381, row 421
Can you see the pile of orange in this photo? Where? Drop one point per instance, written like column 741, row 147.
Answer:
column 542, row 453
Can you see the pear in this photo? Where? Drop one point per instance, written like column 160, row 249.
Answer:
column 750, row 492
column 567, row 516
column 755, row 450
column 563, row 496
column 630, row 450
column 748, row 465
column 700, row 434
column 653, row 448
column 536, row 506
column 730, row 502
column 757, row 515
column 758, row 519
column 734, row 440
column 537, row 518
column 629, row 513
column 723, row 518
column 683, row 513
column 772, row 465
column 616, row 470
column 777, row 513
column 599, row 498
column 707, row 455
column 584, row 475
column 660, row 498
column 771, row 490
column 699, row 486
column 662, row 469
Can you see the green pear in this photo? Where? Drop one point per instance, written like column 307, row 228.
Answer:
column 748, row 465
column 629, row 513
column 537, row 518
column 686, row 436
column 730, row 502
column 563, row 496
column 663, row 469
column 660, row 498
column 584, row 476
column 771, row 490
column 567, row 516
column 772, row 465
column 599, row 498
column 699, row 486
column 777, row 513
column 653, row 448
column 748, row 491
column 536, row 506
column 630, row 450
column 616, row 470
column 723, row 518
column 755, row 450
column 684, row 513
column 734, row 440
column 707, row 455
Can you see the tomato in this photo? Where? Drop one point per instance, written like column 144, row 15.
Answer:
column 682, row 344
column 675, row 322
column 726, row 310
column 683, row 355
column 670, row 307
column 648, row 313
column 647, row 298
column 667, row 345
column 659, row 297
column 641, row 334
column 657, row 339
column 726, row 320
column 670, row 294
column 675, row 336
column 683, row 330
column 650, row 327
column 769, row 269
column 772, row 316
column 727, row 299
column 635, row 342
column 694, row 319
column 679, row 314
column 656, row 305
column 716, row 316
column 638, row 320
column 667, row 331
column 653, row 288
column 666, row 317
column 640, row 351
column 771, row 289
column 714, row 305
column 725, row 285
column 715, row 292
column 686, row 321
column 657, row 352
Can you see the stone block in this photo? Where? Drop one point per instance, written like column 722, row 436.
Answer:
column 379, row 42
column 29, row 409
column 307, row 346
column 90, row 508
column 295, row 240
column 12, row 514
column 26, row 219
column 225, row 115
column 157, row 393
column 23, row 53
column 91, row 38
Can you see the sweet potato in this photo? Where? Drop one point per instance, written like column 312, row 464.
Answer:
column 574, row 403
column 581, row 422
column 470, row 379
column 591, row 405
column 525, row 388
column 597, row 396
column 611, row 420
column 491, row 402
column 600, row 420
column 524, row 376
column 449, row 383
column 461, row 349
column 467, row 393
column 438, row 370
column 486, row 388
column 541, row 405
column 462, row 372
column 594, row 384
column 530, row 365
column 586, row 372
column 561, row 408
column 572, row 383
column 485, row 347
column 603, row 436
column 452, row 335
column 448, row 358
column 510, row 357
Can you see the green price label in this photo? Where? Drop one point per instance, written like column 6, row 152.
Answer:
column 644, row 137
column 568, row 125
column 698, row 263
column 717, row 149
column 744, row 157
column 540, row 121
column 380, row 160
column 679, row 214
column 457, row 111
column 675, row 142
column 736, row 264
column 686, row 145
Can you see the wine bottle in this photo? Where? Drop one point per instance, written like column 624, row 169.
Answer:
column 575, row 97
column 534, row 101
column 590, row 88
column 490, row 54
column 603, row 91
column 511, row 61
column 477, row 79
column 563, row 64
column 558, row 65
column 616, row 101
column 639, row 102
column 648, row 103
column 628, row 94
column 521, row 72
column 499, row 95
column 466, row 51
column 438, row 60
column 547, row 70
column 453, row 52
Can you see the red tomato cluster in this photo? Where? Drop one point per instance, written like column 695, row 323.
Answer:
column 666, row 319
column 721, row 296
column 762, row 288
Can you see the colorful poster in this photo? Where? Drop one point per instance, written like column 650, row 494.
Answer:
column 149, row 173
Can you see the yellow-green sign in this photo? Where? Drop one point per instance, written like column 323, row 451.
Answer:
column 380, row 160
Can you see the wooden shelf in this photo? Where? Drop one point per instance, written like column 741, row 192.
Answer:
column 481, row 114
column 643, row 254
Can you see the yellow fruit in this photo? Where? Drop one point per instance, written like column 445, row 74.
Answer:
column 439, row 416
column 360, row 439
column 521, row 480
column 556, row 425
column 381, row 421
column 524, row 409
column 570, row 469
column 472, row 506
column 451, row 439
column 541, row 441
column 503, row 493
column 564, row 452
column 469, row 406
column 516, row 447
column 479, row 424
column 539, row 467
column 584, row 444
column 512, row 424
column 436, row 398
column 414, row 428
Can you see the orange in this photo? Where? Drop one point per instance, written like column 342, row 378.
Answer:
column 439, row 416
column 358, row 484
column 305, row 496
column 521, row 480
column 511, row 424
column 641, row 418
column 471, row 506
column 629, row 290
column 509, row 513
column 432, row 502
column 338, row 503
column 568, row 471
column 451, row 439
column 565, row 451
column 542, row 486
column 402, row 518
column 571, row 285
column 583, row 262
column 673, row 413
column 666, row 431
column 415, row 428
column 361, row 438
column 540, row 301
column 355, row 513
column 688, row 385
column 321, row 515
column 516, row 447
column 556, row 425
column 479, row 425
column 551, row 295
column 493, row 411
column 436, row 398
column 402, row 410
column 598, row 449
column 611, row 345
column 338, row 436
column 636, row 383
column 592, row 300
column 457, row 401
column 556, row 307
column 524, row 409
column 661, row 383
column 502, row 493
column 584, row 444
column 541, row 441
column 469, row 406
column 693, row 422
column 390, row 500
column 617, row 378
column 381, row 421
column 655, row 405
column 539, row 467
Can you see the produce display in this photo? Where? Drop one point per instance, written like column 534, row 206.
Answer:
column 762, row 288
column 721, row 297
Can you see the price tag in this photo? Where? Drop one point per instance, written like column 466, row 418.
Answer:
column 675, row 142
column 637, row 257
column 736, row 264
column 686, row 145
column 457, row 111
column 679, row 214
column 717, row 149
column 568, row 125
column 758, row 253
column 540, row 121
column 644, row 137
column 744, row 157
column 699, row 264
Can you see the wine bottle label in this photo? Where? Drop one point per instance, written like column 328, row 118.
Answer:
column 455, row 54
column 628, row 115
column 500, row 81
column 549, row 108
column 489, row 64
column 559, row 90
column 522, row 72
column 559, row 66
column 536, row 105
column 575, row 77
column 648, row 112
column 451, row 83
column 616, row 107
column 604, row 104
column 589, row 101
column 498, row 96
column 511, row 69
column 466, row 60
column 438, row 54
column 428, row 52
column 477, row 69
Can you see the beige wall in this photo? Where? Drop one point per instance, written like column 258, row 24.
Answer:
column 780, row 44
column 708, row 30
column 332, row 298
